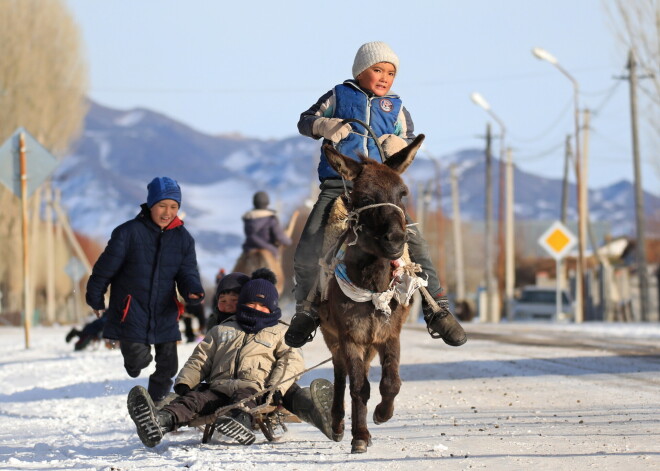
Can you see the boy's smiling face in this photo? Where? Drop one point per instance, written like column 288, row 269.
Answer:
column 227, row 302
column 378, row 78
column 164, row 212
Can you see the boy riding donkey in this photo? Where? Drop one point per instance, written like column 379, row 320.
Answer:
column 365, row 98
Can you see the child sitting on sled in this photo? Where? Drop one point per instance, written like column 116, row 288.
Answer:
column 241, row 357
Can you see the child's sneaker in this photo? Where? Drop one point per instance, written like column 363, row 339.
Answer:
column 143, row 412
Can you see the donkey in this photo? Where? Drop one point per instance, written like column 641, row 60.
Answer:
column 355, row 331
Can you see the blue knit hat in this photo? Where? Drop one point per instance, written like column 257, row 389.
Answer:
column 163, row 188
column 260, row 291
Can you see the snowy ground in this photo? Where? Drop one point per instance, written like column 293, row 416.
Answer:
column 515, row 397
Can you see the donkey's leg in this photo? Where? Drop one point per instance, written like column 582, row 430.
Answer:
column 390, row 382
column 360, row 390
column 338, row 410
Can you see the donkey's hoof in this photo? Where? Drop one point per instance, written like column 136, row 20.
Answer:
column 359, row 446
column 382, row 414
column 338, row 436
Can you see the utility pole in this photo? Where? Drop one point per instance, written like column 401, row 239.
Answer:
column 639, row 195
column 440, row 226
column 585, row 226
column 568, row 156
column 500, row 227
column 490, row 281
column 458, row 238
column 510, row 272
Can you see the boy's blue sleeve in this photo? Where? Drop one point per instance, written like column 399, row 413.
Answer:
column 323, row 108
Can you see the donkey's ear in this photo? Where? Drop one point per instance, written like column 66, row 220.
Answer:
column 400, row 161
column 344, row 166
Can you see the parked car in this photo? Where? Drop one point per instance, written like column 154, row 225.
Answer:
column 540, row 303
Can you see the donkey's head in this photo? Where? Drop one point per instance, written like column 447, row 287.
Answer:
column 378, row 191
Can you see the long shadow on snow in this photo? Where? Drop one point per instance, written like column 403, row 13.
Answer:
column 471, row 369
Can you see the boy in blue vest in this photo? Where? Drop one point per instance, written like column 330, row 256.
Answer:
column 368, row 98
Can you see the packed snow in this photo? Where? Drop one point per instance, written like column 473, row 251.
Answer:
column 515, row 397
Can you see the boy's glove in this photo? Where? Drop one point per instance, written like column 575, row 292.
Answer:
column 278, row 399
column 181, row 389
column 391, row 144
column 331, row 128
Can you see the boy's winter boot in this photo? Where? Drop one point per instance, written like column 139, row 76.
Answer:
column 303, row 325
column 143, row 412
column 83, row 342
column 313, row 405
column 72, row 333
column 166, row 420
column 237, row 424
column 443, row 324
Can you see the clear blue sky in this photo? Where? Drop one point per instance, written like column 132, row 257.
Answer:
column 252, row 67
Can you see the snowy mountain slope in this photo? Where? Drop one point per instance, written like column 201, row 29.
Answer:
column 104, row 180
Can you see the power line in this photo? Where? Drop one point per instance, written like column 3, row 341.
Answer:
column 554, row 124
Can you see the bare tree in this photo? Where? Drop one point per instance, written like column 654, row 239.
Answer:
column 637, row 25
column 43, row 77
column 43, row 83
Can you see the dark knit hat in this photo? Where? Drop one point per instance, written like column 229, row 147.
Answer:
column 260, row 200
column 232, row 282
column 259, row 291
column 163, row 188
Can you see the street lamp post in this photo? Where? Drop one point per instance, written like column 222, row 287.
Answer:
column 507, row 234
column 580, row 183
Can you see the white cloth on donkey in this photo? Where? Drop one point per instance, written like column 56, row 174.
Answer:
column 403, row 285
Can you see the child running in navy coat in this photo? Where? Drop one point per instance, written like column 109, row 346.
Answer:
column 145, row 262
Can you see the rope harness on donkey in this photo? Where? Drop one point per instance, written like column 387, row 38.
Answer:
column 404, row 281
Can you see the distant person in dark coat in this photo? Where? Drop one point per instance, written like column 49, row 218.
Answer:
column 262, row 228
column 146, row 261
column 195, row 311
column 91, row 331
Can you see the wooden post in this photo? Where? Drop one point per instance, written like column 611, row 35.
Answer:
column 50, row 256
column 27, row 315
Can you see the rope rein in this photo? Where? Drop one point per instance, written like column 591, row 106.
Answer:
column 239, row 405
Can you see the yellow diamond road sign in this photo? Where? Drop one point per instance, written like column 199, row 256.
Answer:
column 557, row 240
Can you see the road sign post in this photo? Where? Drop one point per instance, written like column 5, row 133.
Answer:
column 557, row 240
column 23, row 176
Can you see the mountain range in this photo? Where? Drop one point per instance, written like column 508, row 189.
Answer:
column 103, row 181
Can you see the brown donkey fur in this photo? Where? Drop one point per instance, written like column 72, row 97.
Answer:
column 355, row 331
column 253, row 259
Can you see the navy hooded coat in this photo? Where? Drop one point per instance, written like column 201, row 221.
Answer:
column 144, row 265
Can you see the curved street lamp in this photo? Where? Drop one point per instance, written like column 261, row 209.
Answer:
column 580, row 183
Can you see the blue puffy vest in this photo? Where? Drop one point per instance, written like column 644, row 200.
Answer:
column 380, row 113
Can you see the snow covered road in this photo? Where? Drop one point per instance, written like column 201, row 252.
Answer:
column 515, row 397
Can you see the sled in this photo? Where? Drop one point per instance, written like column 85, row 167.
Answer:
column 271, row 420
